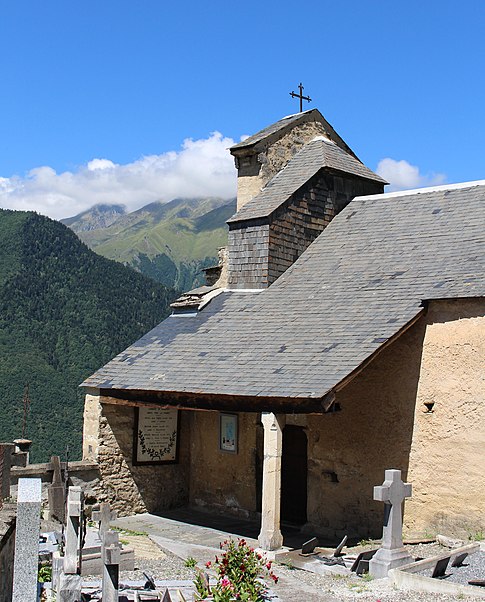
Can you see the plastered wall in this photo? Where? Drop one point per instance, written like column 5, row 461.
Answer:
column 447, row 459
column 223, row 481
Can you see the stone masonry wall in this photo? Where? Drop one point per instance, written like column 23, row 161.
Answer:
column 255, row 171
column 259, row 251
column 133, row 489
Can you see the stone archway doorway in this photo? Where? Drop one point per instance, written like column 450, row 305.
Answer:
column 294, row 475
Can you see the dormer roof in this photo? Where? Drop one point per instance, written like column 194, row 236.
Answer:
column 315, row 155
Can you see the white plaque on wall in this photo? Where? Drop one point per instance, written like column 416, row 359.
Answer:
column 156, row 436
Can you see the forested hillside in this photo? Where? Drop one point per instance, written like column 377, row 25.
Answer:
column 169, row 242
column 64, row 312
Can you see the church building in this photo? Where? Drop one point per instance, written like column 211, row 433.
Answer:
column 345, row 335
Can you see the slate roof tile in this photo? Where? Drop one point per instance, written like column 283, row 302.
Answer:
column 315, row 155
column 361, row 281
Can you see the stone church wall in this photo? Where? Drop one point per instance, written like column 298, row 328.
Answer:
column 222, row 481
column 256, row 170
column 384, row 423
column 419, row 406
column 447, row 460
column 131, row 489
column 349, row 450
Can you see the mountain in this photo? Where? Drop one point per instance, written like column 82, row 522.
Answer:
column 169, row 242
column 99, row 216
column 64, row 312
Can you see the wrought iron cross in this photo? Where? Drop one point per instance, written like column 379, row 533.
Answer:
column 300, row 96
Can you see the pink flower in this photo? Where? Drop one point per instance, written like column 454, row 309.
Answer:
column 268, row 566
column 208, row 564
column 225, row 582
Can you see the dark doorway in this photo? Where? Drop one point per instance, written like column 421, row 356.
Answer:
column 294, row 475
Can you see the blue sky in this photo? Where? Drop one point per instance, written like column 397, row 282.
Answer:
column 121, row 81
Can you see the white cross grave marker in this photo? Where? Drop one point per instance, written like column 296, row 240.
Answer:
column 392, row 553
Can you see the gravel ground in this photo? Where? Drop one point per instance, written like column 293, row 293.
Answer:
column 294, row 585
column 473, row 568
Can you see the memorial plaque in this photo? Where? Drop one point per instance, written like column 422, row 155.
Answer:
column 156, row 436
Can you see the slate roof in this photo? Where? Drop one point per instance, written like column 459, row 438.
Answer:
column 274, row 128
column 361, row 281
column 316, row 154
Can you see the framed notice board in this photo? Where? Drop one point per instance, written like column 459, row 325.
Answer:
column 228, row 434
column 156, row 436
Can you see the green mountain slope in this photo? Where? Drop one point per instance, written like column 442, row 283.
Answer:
column 169, row 242
column 64, row 312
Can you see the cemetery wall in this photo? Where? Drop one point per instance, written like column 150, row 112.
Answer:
column 224, row 481
column 129, row 488
column 447, row 463
column 7, row 547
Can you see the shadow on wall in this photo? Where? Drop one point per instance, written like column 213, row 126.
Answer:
column 349, row 450
column 131, row 489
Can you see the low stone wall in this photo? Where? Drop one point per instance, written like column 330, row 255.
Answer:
column 84, row 474
column 7, row 547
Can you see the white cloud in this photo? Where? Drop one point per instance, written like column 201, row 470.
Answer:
column 201, row 168
column 401, row 175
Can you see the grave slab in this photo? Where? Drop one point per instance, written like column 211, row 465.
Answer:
column 27, row 540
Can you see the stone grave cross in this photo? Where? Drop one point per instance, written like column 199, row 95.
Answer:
column 73, row 530
column 104, row 516
column 111, row 556
column 56, row 492
column 392, row 492
column 392, row 553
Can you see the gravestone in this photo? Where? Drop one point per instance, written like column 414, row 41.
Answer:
column 103, row 516
column 392, row 553
column 72, row 554
column 340, row 547
column 56, row 492
column 111, row 553
column 309, row 547
column 362, row 561
column 440, row 568
column 458, row 561
column 6, row 450
column 68, row 581
column 27, row 540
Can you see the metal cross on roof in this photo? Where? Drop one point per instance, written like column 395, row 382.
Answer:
column 300, row 96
